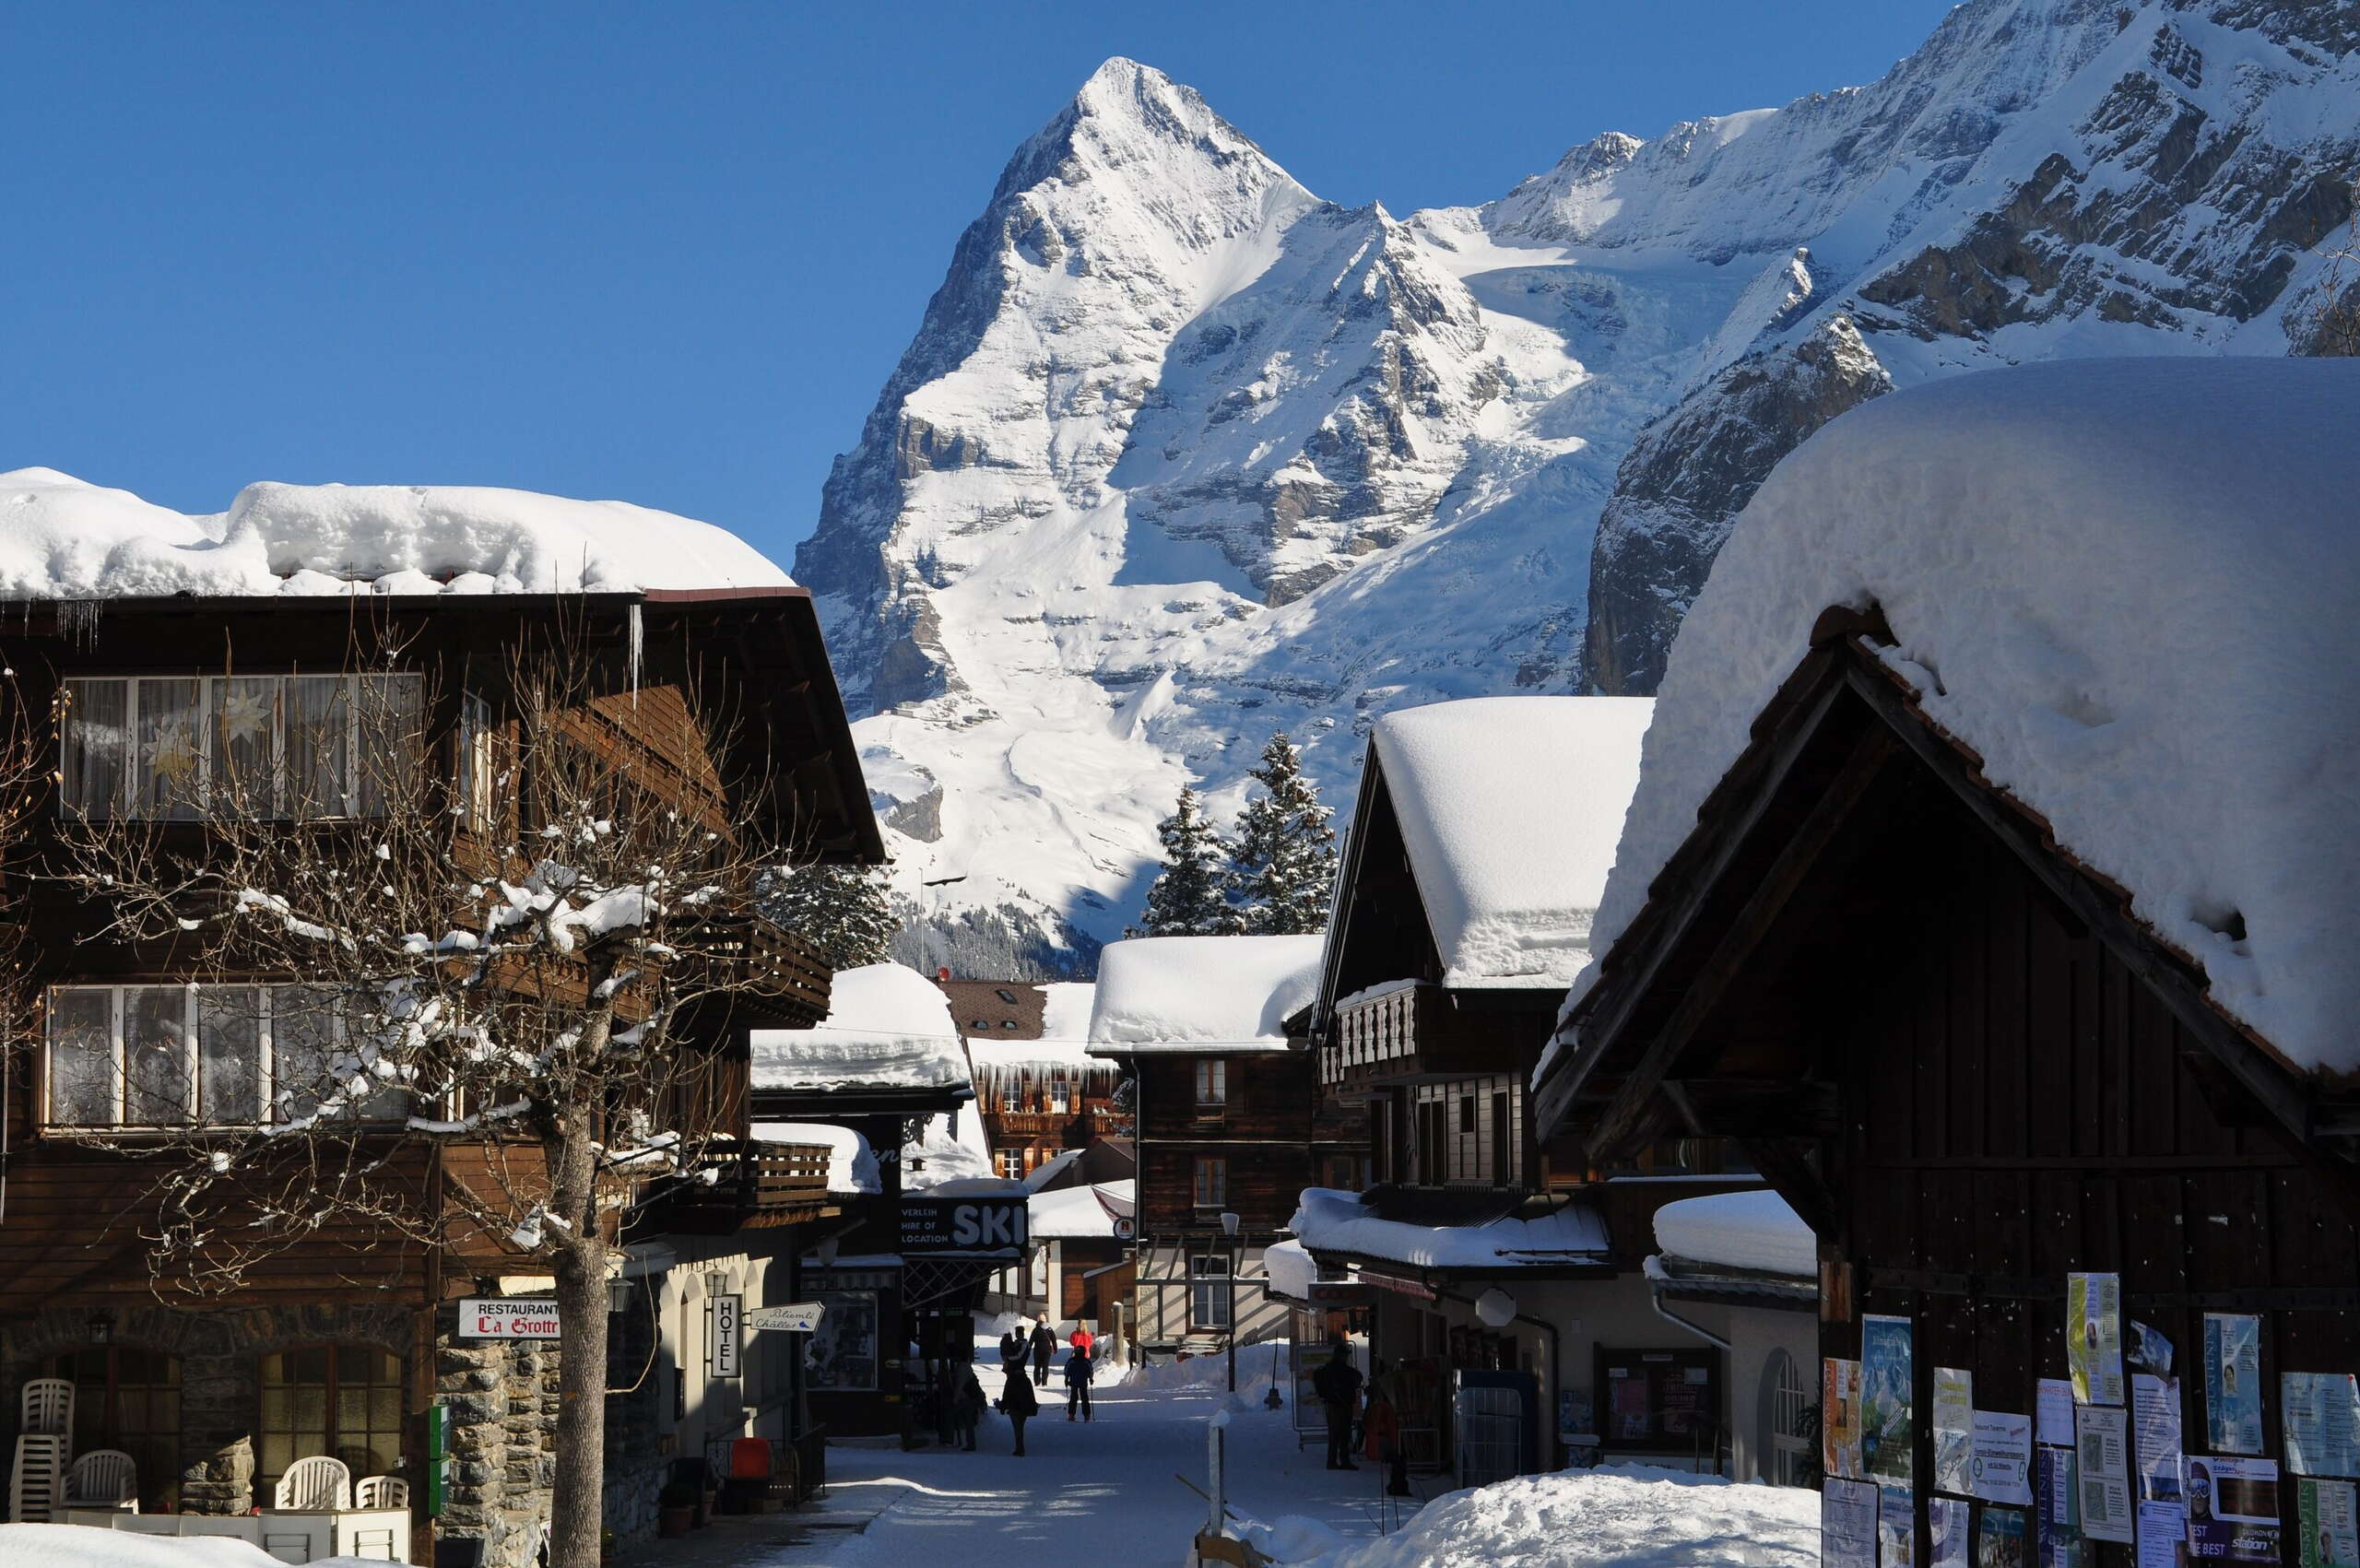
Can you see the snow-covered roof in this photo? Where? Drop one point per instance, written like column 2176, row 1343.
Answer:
column 2132, row 586
column 852, row 1164
column 1328, row 1220
column 1739, row 1230
column 1079, row 1213
column 887, row 1028
column 1289, row 1269
column 1193, row 993
column 62, row 539
column 952, row 1154
column 1510, row 807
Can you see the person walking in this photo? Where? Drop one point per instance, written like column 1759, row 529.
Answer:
column 1018, row 1403
column 1381, row 1433
column 967, row 1408
column 1080, row 1370
column 1014, row 1346
column 1044, row 1349
column 1338, row 1386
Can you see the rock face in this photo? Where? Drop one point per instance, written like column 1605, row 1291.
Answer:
column 1182, row 455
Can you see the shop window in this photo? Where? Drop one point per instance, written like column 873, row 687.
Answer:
column 1209, row 1289
column 129, row 1399
column 1660, row 1401
column 344, row 1401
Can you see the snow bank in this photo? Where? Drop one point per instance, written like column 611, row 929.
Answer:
column 80, row 1546
column 852, row 1164
column 1630, row 1517
column 61, row 537
column 1065, row 1009
column 2133, row 587
column 1192, row 991
column 1739, row 1230
column 1328, row 1220
column 1080, row 1213
column 1510, row 807
column 887, row 1027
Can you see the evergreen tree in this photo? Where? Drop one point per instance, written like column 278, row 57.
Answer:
column 1282, row 864
column 1190, row 897
column 842, row 911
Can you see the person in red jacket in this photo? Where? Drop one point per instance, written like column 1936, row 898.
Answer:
column 1082, row 1339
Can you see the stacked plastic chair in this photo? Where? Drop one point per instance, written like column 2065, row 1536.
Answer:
column 44, row 1449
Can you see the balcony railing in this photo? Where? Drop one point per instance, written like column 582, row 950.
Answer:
column 1410, row 1030
column 754, row 1185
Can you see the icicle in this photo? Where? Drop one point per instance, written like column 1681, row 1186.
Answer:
column 638, row 641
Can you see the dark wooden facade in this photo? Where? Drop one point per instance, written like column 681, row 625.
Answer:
column 1033, row 1115
column 1271, row 1133
column 1959, row 1057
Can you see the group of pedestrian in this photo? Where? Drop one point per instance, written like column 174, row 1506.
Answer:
column 1024, row 1357
column 1338, row 1383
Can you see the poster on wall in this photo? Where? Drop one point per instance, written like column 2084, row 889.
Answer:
column 1848, row 1523
column 2057, row 1517
column 2001, row 1471
column 1953, row 1426
column 1946, row 1527
column 2330, row 1532
column 2232, row 1383
column 2094, row 1336
column 2000, row 1541
column 2155, row 1434
column 841, row 1354
column 1896, row 1527
column 2056, row 1408
column 2163, row 1534
column 2232, row 1509
column 1839, row 1418
column 1888, row 1414
column 2320, row 1411
column 2102, row 1456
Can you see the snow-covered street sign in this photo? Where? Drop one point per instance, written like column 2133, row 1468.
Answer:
column 799, row 1317
column 500, row 1320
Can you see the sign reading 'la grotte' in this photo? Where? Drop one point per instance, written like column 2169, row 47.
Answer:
column 977, row 1226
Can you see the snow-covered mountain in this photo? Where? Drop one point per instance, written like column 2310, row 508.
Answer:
column 1182, row 455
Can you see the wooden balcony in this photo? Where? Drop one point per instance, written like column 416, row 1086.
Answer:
column 1412, row 1031
column 767, row 970
column 1094, row 1121
column 755, row 1185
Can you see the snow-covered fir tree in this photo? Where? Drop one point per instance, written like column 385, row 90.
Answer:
column 1190, row 897
column 841, row 910
column 1282, row 863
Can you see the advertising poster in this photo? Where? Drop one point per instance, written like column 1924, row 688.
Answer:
column 2094, row 1336
column 1896, row 1527
column 2001, row 1471
column 1839, row 1418
column 2057, row 1413
column 1888, row 1420
column 1953, row 1428
column 2057, row 1517
column 2330, row 1532
column 1848, row 1523
column 2103, row 1457
column 843, row 1353
column 2163, row 1534
column 2000, row 1544
column 2321, row 1413
column 1946, row 1522
column 2155, row 1422
column 2232, row 1383
column 2232, row 1509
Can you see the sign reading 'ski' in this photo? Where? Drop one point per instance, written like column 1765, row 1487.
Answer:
column 977, row 1226
column 496, row 1318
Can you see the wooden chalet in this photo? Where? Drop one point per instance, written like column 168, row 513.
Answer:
column 1039, row 1092
column 343, row 1344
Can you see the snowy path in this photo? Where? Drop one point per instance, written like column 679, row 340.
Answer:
column 1090, row 1495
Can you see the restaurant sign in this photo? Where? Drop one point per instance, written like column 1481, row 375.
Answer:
column 498, row 1318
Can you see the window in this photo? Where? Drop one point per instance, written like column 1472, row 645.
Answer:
column 1503, row 1149
column 1060, row 1096
column 1466, row 1114
column 1790, row 1456
column 1209, row 1289
column 183, row 747
column 1212, row 1181
column 479, row 768
column 344, row 1401
column 129, row 1399
column 1011, row 1163
column 214, row 1055
column 1212, row 1083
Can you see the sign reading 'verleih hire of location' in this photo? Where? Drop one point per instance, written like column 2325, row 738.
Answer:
column 976, row 1226
column 496, row 1319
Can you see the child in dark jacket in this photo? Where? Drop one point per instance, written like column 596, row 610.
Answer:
column 966, row 1410
column 1080, row 1370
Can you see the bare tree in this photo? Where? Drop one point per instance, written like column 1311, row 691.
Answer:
column 519, row 961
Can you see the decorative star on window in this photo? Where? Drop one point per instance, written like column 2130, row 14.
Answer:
column 246, row 716
column 173, row 756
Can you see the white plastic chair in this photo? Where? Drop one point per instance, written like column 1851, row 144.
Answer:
column 36, row 1477
column 103, row 1477
column 47, row 1405
column 381, row 1492
column 317, row 1485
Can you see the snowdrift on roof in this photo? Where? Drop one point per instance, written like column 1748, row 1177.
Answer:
column 62, row 539
column 1739, row 1230
column 2133, row 587
column 887, row 1027
column 852, row 1164
column 1510, row 807
column 1071, row 1213
column 1328, row 1220
column 1193, row 992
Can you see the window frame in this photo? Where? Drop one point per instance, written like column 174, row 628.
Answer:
column 1210, row 1292
column 1060, row 1095
column 1212, row 1084
column 1217, row 1165
column 479, row 764
column 331, row 1388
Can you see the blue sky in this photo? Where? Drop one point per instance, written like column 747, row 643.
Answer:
column 669, row 252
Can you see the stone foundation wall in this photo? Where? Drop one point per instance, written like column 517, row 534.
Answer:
column 503, row 1404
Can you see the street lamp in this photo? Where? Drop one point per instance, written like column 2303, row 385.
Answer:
column 1228, row 1228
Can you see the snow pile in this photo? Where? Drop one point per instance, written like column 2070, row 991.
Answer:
column 852, row 1164
column 1627, row 1516
column 1329, row 1220
column 2133, row 587
column 1290, row 1270
column 1081, row 1213
column 62, row 538
column 1510, row 807
column 1194, row 992
column 1065, row 1009
column 1739, row 1230
column 951, row 1155
column 80, row 1546
column 887, row 1027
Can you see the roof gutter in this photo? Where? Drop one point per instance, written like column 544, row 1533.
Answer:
column 1657, row 1280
